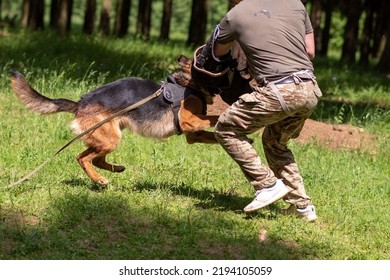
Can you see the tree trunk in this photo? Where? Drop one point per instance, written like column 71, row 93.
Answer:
column 144, row 18
column 105, row 17
column 328, row 6
column 384, row 62
column 365, row 44
column 198, row 22
column 89, row 17
column 166, row 20
column 122, row 18
column 0, row 9
column 64, row 16
column 351, row 32
column 315, row 17
column 35, row 14
column 54, row 8
column 25, row 13
column 380, row 26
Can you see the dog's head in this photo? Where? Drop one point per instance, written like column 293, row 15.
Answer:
column 184, row 78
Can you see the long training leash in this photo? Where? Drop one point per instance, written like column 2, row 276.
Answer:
column 125, row 110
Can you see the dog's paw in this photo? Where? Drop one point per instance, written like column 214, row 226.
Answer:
column 101, row 181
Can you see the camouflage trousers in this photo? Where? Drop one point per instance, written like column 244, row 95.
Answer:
column 262, row 109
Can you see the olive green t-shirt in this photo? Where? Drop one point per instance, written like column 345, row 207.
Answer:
column 272, row 35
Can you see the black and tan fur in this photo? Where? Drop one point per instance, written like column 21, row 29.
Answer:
column 154, row 119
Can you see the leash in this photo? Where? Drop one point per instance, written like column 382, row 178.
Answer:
column 125, row 110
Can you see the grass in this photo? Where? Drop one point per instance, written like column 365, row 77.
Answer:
column 177, row 201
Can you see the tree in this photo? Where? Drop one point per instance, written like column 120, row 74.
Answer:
column 89, row 17
column 105, row 17
column 367, row 35
column 381, row 21
column 351, row 31
column 144, row 18
column 60, row 15
column 384, row 63
column 166, row 20
column 325, row 37
column 32, row 14
column 64, row 16
column 25, row 12
column 315, row 18
column 122, row 18
column 54, row 7
column 198, row 22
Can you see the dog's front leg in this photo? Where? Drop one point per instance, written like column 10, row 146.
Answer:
column 191, row 118
column 192, row 123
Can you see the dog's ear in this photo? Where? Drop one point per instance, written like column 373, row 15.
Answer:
column 183, row 60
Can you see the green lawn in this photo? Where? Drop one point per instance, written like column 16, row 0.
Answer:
column 174, row 200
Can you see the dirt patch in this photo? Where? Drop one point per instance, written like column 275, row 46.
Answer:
column 336, row 137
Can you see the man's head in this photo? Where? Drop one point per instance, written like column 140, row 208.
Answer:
column 232, row 3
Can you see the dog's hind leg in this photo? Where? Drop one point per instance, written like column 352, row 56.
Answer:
column 101, row 142
column 103, row 164
column 85, row 159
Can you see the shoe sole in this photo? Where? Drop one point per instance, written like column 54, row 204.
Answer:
column 293, row 212
column 308, row 219
column 279, row 196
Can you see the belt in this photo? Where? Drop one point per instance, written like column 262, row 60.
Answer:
column 295, row 78
column 288, row 80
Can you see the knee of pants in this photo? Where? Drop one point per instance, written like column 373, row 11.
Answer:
column 225, row 133
column 219, row 131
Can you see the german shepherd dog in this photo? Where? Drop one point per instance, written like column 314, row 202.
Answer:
column 154, row 119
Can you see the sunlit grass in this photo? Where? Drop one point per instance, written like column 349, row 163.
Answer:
column 174, row 200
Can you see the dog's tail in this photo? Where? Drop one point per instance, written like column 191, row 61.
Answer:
column 36, row 101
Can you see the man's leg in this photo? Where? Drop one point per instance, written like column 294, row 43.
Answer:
column 249, row 114
column 281, row 160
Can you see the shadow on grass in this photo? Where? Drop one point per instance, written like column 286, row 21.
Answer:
column 85, row 224
column 89, row 225
column 207, row 199
column 84, row 183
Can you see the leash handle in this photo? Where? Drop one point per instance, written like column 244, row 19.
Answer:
column 125, row 110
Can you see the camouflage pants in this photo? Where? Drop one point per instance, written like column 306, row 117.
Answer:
column 261, row 109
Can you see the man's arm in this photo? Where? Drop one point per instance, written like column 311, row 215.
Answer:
column 221, row 49
column 310, row 45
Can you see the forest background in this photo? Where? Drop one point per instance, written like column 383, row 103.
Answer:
column 356, row 29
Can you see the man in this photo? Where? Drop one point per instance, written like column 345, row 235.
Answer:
column 277, row 39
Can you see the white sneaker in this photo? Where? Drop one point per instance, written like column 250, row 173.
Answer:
column 267, row 196
column 308, row 213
